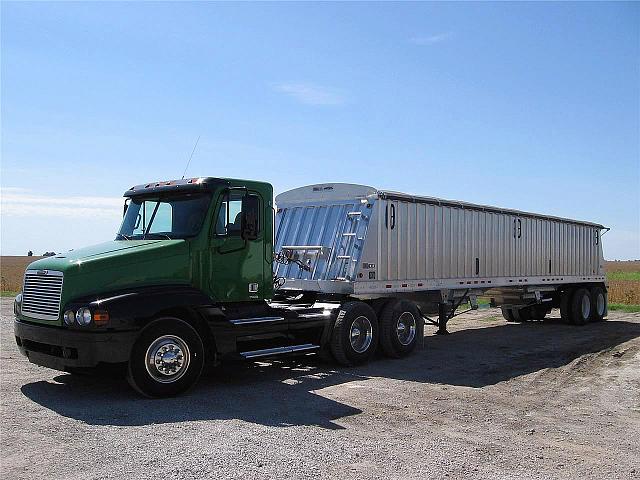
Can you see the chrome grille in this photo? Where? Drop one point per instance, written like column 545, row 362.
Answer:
column 41, row 294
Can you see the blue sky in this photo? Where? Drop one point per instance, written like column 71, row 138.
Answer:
column 527, row 106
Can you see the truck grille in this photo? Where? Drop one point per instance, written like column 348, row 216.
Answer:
column 41, row 294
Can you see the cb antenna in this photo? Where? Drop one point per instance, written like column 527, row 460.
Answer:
column 190, row 157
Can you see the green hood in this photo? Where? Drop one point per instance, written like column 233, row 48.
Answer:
column 121, row 264
column 68, row 261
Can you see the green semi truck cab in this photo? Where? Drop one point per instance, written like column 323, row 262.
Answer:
column 197, row 275
column 187, row 281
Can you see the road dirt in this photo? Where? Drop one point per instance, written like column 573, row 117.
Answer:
column 539, row 400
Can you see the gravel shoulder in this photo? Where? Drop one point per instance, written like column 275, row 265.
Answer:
column 492, row 400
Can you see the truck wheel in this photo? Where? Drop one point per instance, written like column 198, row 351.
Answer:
column 355, row 333
column 581, row 306
column 599, row 307
column 378, row 305
column 167, row 359
column 565, row 306
column 401, row 325
column 508, row 314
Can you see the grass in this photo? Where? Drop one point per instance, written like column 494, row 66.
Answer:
column 7, row 293
column 624, row 308
column 632, row 276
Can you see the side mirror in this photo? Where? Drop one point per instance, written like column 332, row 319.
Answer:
column 250, row 217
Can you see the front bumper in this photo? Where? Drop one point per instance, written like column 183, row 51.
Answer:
column 61, row 349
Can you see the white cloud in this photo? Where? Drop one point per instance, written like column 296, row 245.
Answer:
column 432, row 39
column 18, row 202
column 310, row 94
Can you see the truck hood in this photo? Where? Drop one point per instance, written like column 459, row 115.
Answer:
column 118, row 265
column 65, row 261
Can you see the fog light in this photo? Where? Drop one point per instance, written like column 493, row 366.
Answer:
column 83, row 317
column 69, row 317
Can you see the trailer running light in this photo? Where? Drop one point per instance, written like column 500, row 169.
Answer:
column 100, row 317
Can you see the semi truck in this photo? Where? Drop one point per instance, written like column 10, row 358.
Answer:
column 206, row 270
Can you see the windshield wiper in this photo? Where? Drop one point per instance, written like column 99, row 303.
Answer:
column 159, row 234
column 126, row 237
column 153, row 216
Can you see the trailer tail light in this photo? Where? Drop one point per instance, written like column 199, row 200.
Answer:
column 100, row 317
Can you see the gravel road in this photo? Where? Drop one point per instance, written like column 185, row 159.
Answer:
column 491, row 400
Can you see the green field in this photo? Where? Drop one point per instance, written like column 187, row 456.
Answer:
column 624, row 308
column 620, row 275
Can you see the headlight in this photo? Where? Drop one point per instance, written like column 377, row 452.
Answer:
column 83, row 317
column 69, row 317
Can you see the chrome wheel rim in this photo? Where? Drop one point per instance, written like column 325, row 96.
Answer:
column 167, row 359
column 361, row 334
column 406, row 328
column 586, row 306
column 600, row 304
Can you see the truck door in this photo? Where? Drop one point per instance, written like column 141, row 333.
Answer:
column 237, row 275
column 236, row 263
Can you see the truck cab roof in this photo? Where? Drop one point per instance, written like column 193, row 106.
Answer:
column 194, row 184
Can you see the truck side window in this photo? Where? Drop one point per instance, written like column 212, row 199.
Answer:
column 230, row 215
column 229, row 219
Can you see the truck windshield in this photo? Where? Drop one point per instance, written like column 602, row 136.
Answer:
column 167, row 216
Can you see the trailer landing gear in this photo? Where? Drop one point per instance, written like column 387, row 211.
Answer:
column 443, row 318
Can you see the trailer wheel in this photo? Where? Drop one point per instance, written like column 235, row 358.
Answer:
column 522, row 314
column 401, row 325
column 599, row 310
column 167, row 359
column 565, row 306
column 355, row 333
column 581, row 306
column 507, row 313
column 538, row 312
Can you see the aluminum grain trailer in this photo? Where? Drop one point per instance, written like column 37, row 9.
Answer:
column 372, row 245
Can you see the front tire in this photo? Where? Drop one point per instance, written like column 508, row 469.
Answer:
column 401, row 325
column 355, row 334
column 167, row 359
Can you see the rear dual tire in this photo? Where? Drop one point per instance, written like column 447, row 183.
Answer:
column 355, row 334
column 401, row 325
column 358, row 329
column 583, row 305
column 599, row 299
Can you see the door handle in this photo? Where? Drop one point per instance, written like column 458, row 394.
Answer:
column 393, row 216
column 223, row 251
